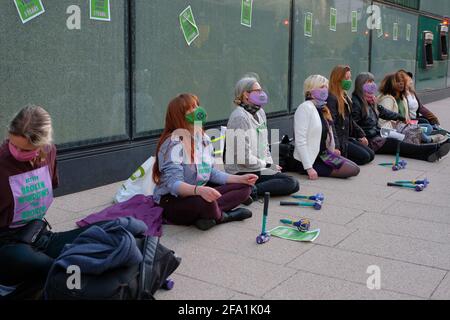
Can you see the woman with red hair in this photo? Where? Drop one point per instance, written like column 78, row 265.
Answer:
column 184, row 170
column 350, row 139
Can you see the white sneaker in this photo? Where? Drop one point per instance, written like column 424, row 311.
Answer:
column 438, row 138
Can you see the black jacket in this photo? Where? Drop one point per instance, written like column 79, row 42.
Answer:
column 345, row 127
column 369, row 122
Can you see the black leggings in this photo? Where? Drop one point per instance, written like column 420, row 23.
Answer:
column 27, row 266
column 409, row 150
column 277, row 183
column 359, row 153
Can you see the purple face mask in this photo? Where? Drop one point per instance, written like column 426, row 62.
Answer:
column 22, row 156
column 320, row 95
column 370, row 88
column 258, row 98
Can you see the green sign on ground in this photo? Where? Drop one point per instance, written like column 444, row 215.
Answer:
column 308, row 24
column 29, row 9
column 354, row 21
column 246, row 13
column 293, row 234
column 100, row 10
column 188, row 25
column 333, row 19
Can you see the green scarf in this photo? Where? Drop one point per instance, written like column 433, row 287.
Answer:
column 401, row 107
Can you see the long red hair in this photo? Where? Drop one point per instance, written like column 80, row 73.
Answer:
column 336, row 77
column 175, row 119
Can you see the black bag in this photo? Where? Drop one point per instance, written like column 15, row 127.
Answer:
column 286, row 154
column 27, row 234
column 138, row 282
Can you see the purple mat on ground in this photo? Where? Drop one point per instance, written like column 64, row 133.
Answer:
column 139, row 207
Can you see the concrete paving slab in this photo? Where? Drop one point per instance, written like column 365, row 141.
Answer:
column 419, row 211
column 183, row 290
column 412, row 228
column 82, row 201
column 239, row 296
column 58, row 216
column 443, row 291
column 435, row 198
column 232, row 271
column 242, row 241
column 308, row 286
column 420, row 252
column 395, row 276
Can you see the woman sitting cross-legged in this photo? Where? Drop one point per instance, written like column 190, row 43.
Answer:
column 315, row 152
column 247, row 143
column 185, row 166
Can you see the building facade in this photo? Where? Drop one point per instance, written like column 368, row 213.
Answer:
column 107, row 83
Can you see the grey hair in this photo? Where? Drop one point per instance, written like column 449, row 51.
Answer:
column 33, row 123
column 243, row 85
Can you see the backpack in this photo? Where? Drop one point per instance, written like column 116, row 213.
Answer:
column 412, row 132
column 138, row 282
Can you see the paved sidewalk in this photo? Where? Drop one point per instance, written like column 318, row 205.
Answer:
column 363, row 222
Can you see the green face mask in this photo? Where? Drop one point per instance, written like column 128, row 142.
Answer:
column 346, row 84
column 198, row 115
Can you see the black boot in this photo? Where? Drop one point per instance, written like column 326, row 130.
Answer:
column 237, row 214
column 252, row 198
column 205, row 224
column 442, row 151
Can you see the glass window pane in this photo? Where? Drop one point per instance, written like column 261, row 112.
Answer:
column 324, row 49
column 439, row 7
column 224, row 51
column 77, row 75
column 434, row 77
column 394, row 45
column 414, row 4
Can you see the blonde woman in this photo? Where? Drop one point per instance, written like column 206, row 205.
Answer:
column 28, row 176
column 315, row 153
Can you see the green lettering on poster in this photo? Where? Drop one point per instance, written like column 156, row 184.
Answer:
column 333, row 19
column 100, row 10
column 188, row 25
column 408, row 32
column 354, row 21
column 29, row 9
column 246, row 13
column 395, row 32
column 308, row 24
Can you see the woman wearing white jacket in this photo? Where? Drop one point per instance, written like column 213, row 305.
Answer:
column 315, row 152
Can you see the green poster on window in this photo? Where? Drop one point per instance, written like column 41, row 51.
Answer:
column 100, row 10
column 308, row 24
column 246, row 13
column 380, row 32
column 333, row 19
column 354, row 21
column 408, row 32
column 395, row 32
column 188, row 25
column 29, row 9
column 293, row 234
